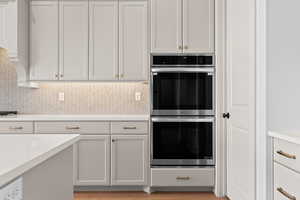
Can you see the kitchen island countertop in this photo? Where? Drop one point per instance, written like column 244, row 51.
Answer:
column 20, row 153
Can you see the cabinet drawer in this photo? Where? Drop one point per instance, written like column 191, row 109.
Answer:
column 287, row 154
column 286, row 183
column 182, row 177
column 16, row 127
column 72, row 127
column 129, row 127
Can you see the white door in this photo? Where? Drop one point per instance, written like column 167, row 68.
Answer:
column 92, row 161
column 198, row 26
column 74, row 26
column 129, row 160
column 241, row 99
column 104, row 40
column 44, row 40
column 166, row 26
column 133, row 39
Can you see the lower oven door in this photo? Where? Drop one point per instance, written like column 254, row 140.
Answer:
column 182, row 141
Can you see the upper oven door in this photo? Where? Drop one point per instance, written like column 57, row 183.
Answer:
column 183, row 91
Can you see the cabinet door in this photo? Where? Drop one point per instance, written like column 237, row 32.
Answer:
column 198, row 26
column 43, row 40
column 74, row 18
column 166, row 26
column 3, row 24
column 133, row 40
column 129, row 160
column 92, row 161
column 104, row 40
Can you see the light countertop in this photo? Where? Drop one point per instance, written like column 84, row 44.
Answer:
column 20, row 153
column 289, row 136
column 27, row 117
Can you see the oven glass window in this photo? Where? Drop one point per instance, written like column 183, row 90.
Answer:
column 182, row 91
column 182, row 140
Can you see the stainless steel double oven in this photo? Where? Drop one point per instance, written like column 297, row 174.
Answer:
column 182, row 110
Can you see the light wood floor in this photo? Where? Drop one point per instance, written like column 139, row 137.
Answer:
column 144, row 196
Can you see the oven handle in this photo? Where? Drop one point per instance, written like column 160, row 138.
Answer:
column 182, row 119
column 184, row 69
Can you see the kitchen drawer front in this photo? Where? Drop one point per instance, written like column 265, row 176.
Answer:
column 129, row 127
column 16, row 128
column 91, row 128
column 183, row 177
column 287, row 154
column 286, row 183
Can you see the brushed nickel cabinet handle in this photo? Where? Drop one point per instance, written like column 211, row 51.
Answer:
column 129, row 128
column 113, row 140
column 56, row 76
column 286, row 194
column 16, row 128
column 290, row 156
column 184, row 178
column 186, row 47
column 72, row 127
column 61, row 76
column 180, row 47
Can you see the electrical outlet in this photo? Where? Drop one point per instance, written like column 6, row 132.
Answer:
column 138, row 96
column 13, row 191
column 61, row 96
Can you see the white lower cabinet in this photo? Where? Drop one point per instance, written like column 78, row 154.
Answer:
column 111, row 160
column 286, row 168
column 183, row 177
column 103, row 159
column 286, row 183
column 129, row 160
column 92, row 160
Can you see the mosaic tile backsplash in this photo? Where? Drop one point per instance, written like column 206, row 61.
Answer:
column 80, row 98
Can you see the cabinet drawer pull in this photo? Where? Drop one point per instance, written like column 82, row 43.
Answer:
column 72, row 127
column 129, row 128
column 184, row 178
column 186, row 47
column 286, row 155
column 16, row 128
column 180, row 47
column 286, row 194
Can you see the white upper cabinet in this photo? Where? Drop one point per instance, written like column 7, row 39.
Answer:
column 12, row 15
column 3, row 23
column 166, row 26
column 104, row 40
column 74, row 23
column 198, row 26
column 182, row 26
column 44, row 40
column 133, row 39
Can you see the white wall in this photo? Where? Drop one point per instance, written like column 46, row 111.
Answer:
column 283, row 57
column 283, row 71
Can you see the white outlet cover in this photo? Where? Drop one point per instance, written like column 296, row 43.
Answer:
column 61, row 96
column 138, row 96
